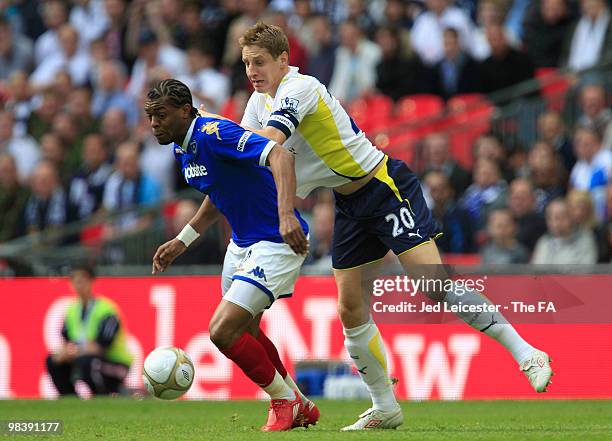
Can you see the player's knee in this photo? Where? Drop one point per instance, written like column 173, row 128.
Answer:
column 221, row 335
column 352, row 314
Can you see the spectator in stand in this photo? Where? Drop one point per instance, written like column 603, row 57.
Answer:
column 564, row 244
column 590, row 41
column 13, row 199
column 322, row 51
column 438, row 158
column 457, row 72
column 252, row 12
column 195, row 33
column 115, row 38
column 506, row 66
column 357, row 11
column 206, row 250
column 427, row 32
column 489, row 146
column 153, row 54
column 299, row 56
column 395, row 16
column 582, row 213
column 46, row 209
column 217, row 19
column 19, row 102
column 399, row 72
column 109, row 93
column 86, row 187
column 65, row 127
column 546, row 26
column 89, row 18
column 593, row 169
column 24, row 149
column 73, row 59
column 126, row 189
column 551, row 130
column 208, row 86
column 547, row 174
column 79, row 108
column 488, row 192
column 115, row 129
column 503, row 248
column 41, row 119
column 55, row 15
column 595, row 113
column 355, row 65
column 53, row 150
column 16, row 51
column 522, row 205
column 457, row 225
column 169, row 14
column 490, row 12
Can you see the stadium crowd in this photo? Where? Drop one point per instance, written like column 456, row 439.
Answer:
column 75, row 143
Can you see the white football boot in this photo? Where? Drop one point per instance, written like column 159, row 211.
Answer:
column 538, row 371
column 377, row 419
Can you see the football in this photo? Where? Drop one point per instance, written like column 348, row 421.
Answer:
column 168, row 373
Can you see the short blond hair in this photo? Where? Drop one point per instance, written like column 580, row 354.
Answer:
column 269, row 37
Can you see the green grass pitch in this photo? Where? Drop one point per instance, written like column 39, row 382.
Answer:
column 131, row 420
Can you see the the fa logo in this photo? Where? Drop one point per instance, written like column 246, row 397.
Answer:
column 211, row 128
column 290, row 104
column 258, row 272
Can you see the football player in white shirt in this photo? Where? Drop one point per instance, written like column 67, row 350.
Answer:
column 380, row 207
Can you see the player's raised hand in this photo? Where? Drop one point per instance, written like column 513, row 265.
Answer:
column 166, row 254
column 292, row 233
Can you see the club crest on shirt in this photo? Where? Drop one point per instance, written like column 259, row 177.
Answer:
column 211, row 128
column 290, row 104
column 193, row 147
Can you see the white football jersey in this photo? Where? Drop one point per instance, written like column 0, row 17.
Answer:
column 329, row 148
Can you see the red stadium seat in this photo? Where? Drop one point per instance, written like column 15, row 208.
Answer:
column 91, row 235
column 554, row 86
column 462, row 102
column 371, row 113
column 469, row 118
column 415, row 107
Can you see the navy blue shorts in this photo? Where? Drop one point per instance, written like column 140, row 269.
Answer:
column 388, row 213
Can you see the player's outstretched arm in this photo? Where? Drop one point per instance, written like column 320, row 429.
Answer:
column 282, row 165
column 206, row 215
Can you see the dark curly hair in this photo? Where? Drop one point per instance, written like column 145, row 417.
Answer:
column 174, row 92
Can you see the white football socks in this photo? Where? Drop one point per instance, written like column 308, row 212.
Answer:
column 364, row 345
column 494, row 325
column 278, row 389
column 289, row 381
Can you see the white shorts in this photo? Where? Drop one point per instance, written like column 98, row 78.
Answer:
column 271, row 267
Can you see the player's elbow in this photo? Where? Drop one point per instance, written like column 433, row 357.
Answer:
column 279, row 155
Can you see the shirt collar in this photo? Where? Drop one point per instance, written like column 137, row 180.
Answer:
column 188, row 135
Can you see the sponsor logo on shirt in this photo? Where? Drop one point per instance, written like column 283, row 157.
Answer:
column 194, row 171
column 211, row 128
column 243, row 140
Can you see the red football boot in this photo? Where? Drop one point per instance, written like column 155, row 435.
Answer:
column 308, row 416
column 282, row 414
